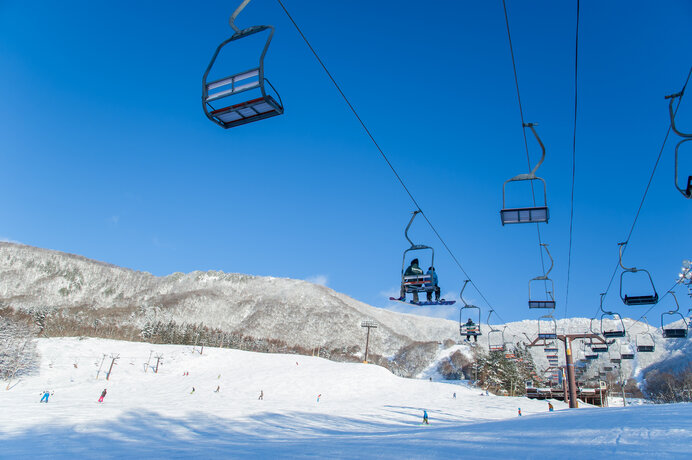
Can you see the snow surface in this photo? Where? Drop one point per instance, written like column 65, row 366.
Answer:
column 364, row 412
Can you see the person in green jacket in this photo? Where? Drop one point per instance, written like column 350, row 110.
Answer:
column 412, row 269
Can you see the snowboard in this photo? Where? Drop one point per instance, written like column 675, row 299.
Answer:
column 424, row 303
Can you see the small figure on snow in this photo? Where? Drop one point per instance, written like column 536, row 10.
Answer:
column 103, row 395
column 318, row 397
column 45, row 396
column 412, row 269
column 218, row 388
column 425, row 417
column 550, row 407
column 519, row 410
column 433, row 275
column 486, row 392
column 261, row 396
column 193, row 390
column 454, row 396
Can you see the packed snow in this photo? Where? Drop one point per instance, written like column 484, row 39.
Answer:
column 363, row 411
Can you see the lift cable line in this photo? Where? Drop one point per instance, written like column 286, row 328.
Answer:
column 384, row 156
column 648, row 185
column 523, row 130
column 574, row 160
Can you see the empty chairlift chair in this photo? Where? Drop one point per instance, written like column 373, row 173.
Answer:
column 687, row 191
column 548, row 329
column 673, row 331
column 549, row 300
column 648, row 299
column 644, row 341
column 531, row 214
column 626, row 352
column 612, row 326
column 496, row 337
column 466, row 329
column 245, row 96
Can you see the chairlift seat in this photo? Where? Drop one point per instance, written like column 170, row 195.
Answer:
column 530, row 215
column 615, row 360
column 627, row 356
column 599, row 348
column 496, row 347
column 640, row 300
column 675, row 333
column 247, row 112
column 645, row 348
column 590, row 357
column 469, row 330
column 607, row 368
column 547, row 335
column 613, row 334
column 418, row 283
column 542, row 304
column 550, row 350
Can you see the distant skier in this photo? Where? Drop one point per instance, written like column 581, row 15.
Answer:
column 454, row 396
column 433, row 275
column 519, row 410
column 218, row 388
column 193, row 390
column 425, row 418
column 45, row 396
column 261, row 396
column 412, row 269
column 470, row 325
column 318, row 397
column 103, row 395
column 550, row 407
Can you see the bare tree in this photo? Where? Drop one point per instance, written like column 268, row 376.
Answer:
column 18, row 354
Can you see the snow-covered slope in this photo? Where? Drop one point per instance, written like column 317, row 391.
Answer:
column 363, row 412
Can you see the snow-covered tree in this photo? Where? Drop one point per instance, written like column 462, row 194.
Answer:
column 18, row 354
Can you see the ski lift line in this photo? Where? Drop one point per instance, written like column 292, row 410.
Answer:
column 384, row 156
column 574, row 161
column 648, row 185
column 523, row 131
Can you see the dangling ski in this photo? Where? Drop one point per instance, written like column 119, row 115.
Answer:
column 425, row 303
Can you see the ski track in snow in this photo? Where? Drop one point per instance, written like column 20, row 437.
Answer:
column 364, row 412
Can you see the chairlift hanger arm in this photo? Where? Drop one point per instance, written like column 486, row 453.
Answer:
column 686, row 192
column 540, row 162
column 235, row 14
column 622, row 245
column 672, row 98
column 461, row 294
column 414, row 214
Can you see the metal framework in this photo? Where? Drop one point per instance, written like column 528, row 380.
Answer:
column 525, row 215
column 244, row 94
column 369, row 325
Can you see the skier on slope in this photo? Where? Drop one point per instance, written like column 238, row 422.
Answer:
column 425, row 417
column 103, row 395
column 45, row 396
column 412, row 269
column 550, row 407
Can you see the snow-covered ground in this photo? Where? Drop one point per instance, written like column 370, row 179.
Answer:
column 364, row 411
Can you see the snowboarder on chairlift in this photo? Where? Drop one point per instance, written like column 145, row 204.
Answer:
column 425, row 417
column 412, row 269
column 433, row 275
column 103, row 395
column 469, row 325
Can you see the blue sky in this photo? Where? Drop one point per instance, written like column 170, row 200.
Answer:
column 106, row 151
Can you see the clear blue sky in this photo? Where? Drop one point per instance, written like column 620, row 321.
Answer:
column 106, row 152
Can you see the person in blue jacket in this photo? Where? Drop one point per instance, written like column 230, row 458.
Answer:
column 433, row 274
column 45, row 396
column 425, row 417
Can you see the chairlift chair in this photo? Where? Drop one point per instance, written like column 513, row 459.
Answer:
column 533, row 214
column 464, row 328
column 687, row 191
column 613, row 332
column 649, row 299
column 496, row 337
column 672, row 332
column 547, row 333
column 549, row 301
column 242, row 97
column 416, row 283
column 642, row 345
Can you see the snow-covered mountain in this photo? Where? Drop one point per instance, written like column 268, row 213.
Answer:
column 75, row 289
